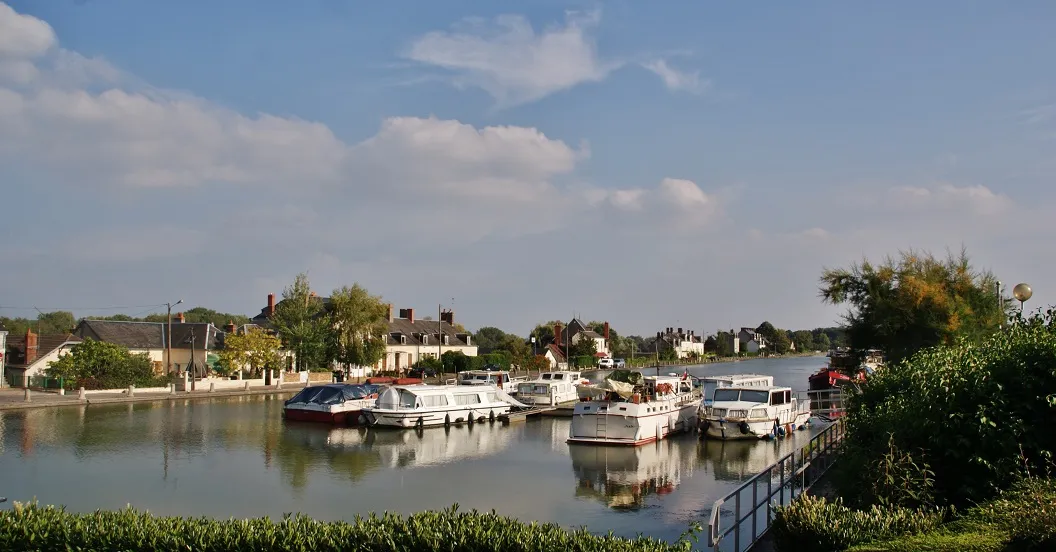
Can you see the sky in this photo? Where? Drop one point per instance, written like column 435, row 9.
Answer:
column 675, row 164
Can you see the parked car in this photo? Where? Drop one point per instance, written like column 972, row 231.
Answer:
column 421, row 373
column 491, row 367
column 606, row 363
column 619, row 363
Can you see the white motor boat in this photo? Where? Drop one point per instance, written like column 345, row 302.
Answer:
column 551, row 388
column 753, row 413
column 618, row 413
column 406, row 406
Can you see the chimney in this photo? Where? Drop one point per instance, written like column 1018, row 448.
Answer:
column 606, row 331
column 557, row 333
column 390, row 312
column 410, row 315
column 271, row 304
column 680, row 332
column 31, row 347
column 231, row 326
column 179, row 317
column 448, row 316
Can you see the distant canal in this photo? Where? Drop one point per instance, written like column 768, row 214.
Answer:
column 237, row 458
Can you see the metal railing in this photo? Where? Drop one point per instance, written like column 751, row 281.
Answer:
column 828, row 403
column 780, row 483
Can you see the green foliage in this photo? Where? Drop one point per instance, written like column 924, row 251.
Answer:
column 959, row 536
column 357, row 326
column 303, row 325
column 254, row 351
column 56, row 322
column 32, row 527
column 1027, row 512
column 768, row 331
column 101, row 365
column 813, row 524
column 781, row 343
column 544, row 333
column 804, row 340
column 457, row 361
column 898, row 480
column 514, row 347
column 915, row 302
column 489, row 337
column 583, row 347
column 537, row 363
column 666, row 353
column 501, row 359
column 430, row 362
column 983, row 413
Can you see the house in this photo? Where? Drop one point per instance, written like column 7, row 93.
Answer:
column 555, row 356
column 577, row 330
column 683, row 343
column 151, row 339
column 407, row 338
column 28, row 356
column 733, row 342
column 751, row 341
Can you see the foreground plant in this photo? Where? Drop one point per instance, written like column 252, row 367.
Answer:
column 45, row 528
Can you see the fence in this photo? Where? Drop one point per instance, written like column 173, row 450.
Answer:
column 828, row 403
column 781, row 482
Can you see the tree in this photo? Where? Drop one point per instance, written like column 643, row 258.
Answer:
column 822, row 343
column 489, row 337
column 544, row 333
column 768, row 331
column 711, row 345
column 917, row 301
column 804, row 340
column 302, row 323
column 55, row 322
column 584, row 347
column 102, row 365
column 781, row 342
column 516, row 347
column 358, row 326
column 724, row 342
column 254, row 351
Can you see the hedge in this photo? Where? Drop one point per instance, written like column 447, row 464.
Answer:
column 813, row 524
column 45, row 528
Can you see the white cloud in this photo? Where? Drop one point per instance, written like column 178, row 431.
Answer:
column 23, row 36
column 678, row 80
column 977, row 199
column 511, row 61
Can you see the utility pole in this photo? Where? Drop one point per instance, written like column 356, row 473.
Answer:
column 168, row 339
column 194, row 365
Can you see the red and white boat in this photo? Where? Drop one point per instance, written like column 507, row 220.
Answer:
column 335, row 403
column 844, row 369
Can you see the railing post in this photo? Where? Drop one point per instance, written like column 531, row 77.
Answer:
column 737, row 522
column 755, row 508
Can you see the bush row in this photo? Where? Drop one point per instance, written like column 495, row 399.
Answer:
column 32, row 527
column 813, row 524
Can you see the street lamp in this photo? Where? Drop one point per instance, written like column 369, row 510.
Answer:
column 1022, row 292
column 168, row 338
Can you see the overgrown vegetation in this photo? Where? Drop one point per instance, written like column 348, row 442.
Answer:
column 101, row 365
column 813, row 524
column 32, row 527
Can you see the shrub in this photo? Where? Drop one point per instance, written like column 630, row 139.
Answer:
column 812, row 524
column 32, row 527
column 1027, row 512
column 984, row 413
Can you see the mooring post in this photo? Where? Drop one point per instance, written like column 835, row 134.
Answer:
column 246, row 386
column 172, row 388
column 81, row 395
column 131, row 390
column 28, row 398
column 212, row 386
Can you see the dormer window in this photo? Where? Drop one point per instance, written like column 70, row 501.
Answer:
column 425, row 339
column 447, row 339
column 403, row 339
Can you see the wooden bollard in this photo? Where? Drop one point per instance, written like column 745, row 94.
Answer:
column 212, row 386
column 81, row 395
column 246, row 386
column 131, row 390
column 172, row 388
column 28, row 395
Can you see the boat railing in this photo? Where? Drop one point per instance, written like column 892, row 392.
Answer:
column 828, row 403
column 780, row 483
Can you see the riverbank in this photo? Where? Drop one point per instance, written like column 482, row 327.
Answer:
column 15, row 399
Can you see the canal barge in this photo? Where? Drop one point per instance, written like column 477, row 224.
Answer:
column 335, row 403
column 753, row 413
column 417, row 406
column 551, row 388
column 623, row 413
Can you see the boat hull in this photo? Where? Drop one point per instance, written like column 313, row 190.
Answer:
column 619, row 428
column 405, row 419
column 736, row 430
column 350, row 417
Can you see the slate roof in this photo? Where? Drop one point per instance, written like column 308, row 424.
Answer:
column 16, row 356
column 414, row 330
column 556, row 351
column 150, row 335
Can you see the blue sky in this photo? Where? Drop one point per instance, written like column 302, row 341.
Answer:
column 688, row 164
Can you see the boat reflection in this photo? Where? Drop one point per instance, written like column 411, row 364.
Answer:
column 624, row 477
column 741, row 460
column 408, row 449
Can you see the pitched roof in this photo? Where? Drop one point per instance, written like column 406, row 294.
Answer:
column 414, row 330
column 45, row 344
column 149, row 335
column 556, row 351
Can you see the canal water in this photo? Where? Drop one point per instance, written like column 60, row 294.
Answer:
column 237, row 458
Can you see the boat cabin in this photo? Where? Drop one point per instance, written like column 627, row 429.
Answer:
column 711, row 383
column 483, row 377
column 563, row 375
column 425, row 397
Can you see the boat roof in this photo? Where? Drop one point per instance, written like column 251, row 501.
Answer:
column 479, row 372
column 749, row 388
column 460, row 389
column 736, row 377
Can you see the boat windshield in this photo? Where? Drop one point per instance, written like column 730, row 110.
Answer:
column 744, row 395
column 548, row 376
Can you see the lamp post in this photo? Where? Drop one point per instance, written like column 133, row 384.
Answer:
column 168, row 338
column 1022, row 292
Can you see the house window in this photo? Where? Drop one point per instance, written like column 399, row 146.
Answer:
column 403, row 339
column 447, row 340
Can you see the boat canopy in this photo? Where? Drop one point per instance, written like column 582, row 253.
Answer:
column 622, row 389
column 333, row 393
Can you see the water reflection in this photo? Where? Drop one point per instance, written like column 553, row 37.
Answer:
column 624, row 477
column 740, row 460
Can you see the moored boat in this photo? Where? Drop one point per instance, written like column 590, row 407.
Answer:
column 406, row 406
column 710, row 383
column 551, row 388
column 335, row 403
column 753, row 413
column 621, row 413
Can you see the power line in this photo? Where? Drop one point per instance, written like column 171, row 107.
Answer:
column 53, row 309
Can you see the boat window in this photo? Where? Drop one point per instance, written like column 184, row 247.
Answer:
column 559, row 376
column 407, row 399
column 548, row 376
column 434, row 400
column 493, row 397
column 726, row 394
column 755, row 396
column 482, row 378
column 469, row 398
